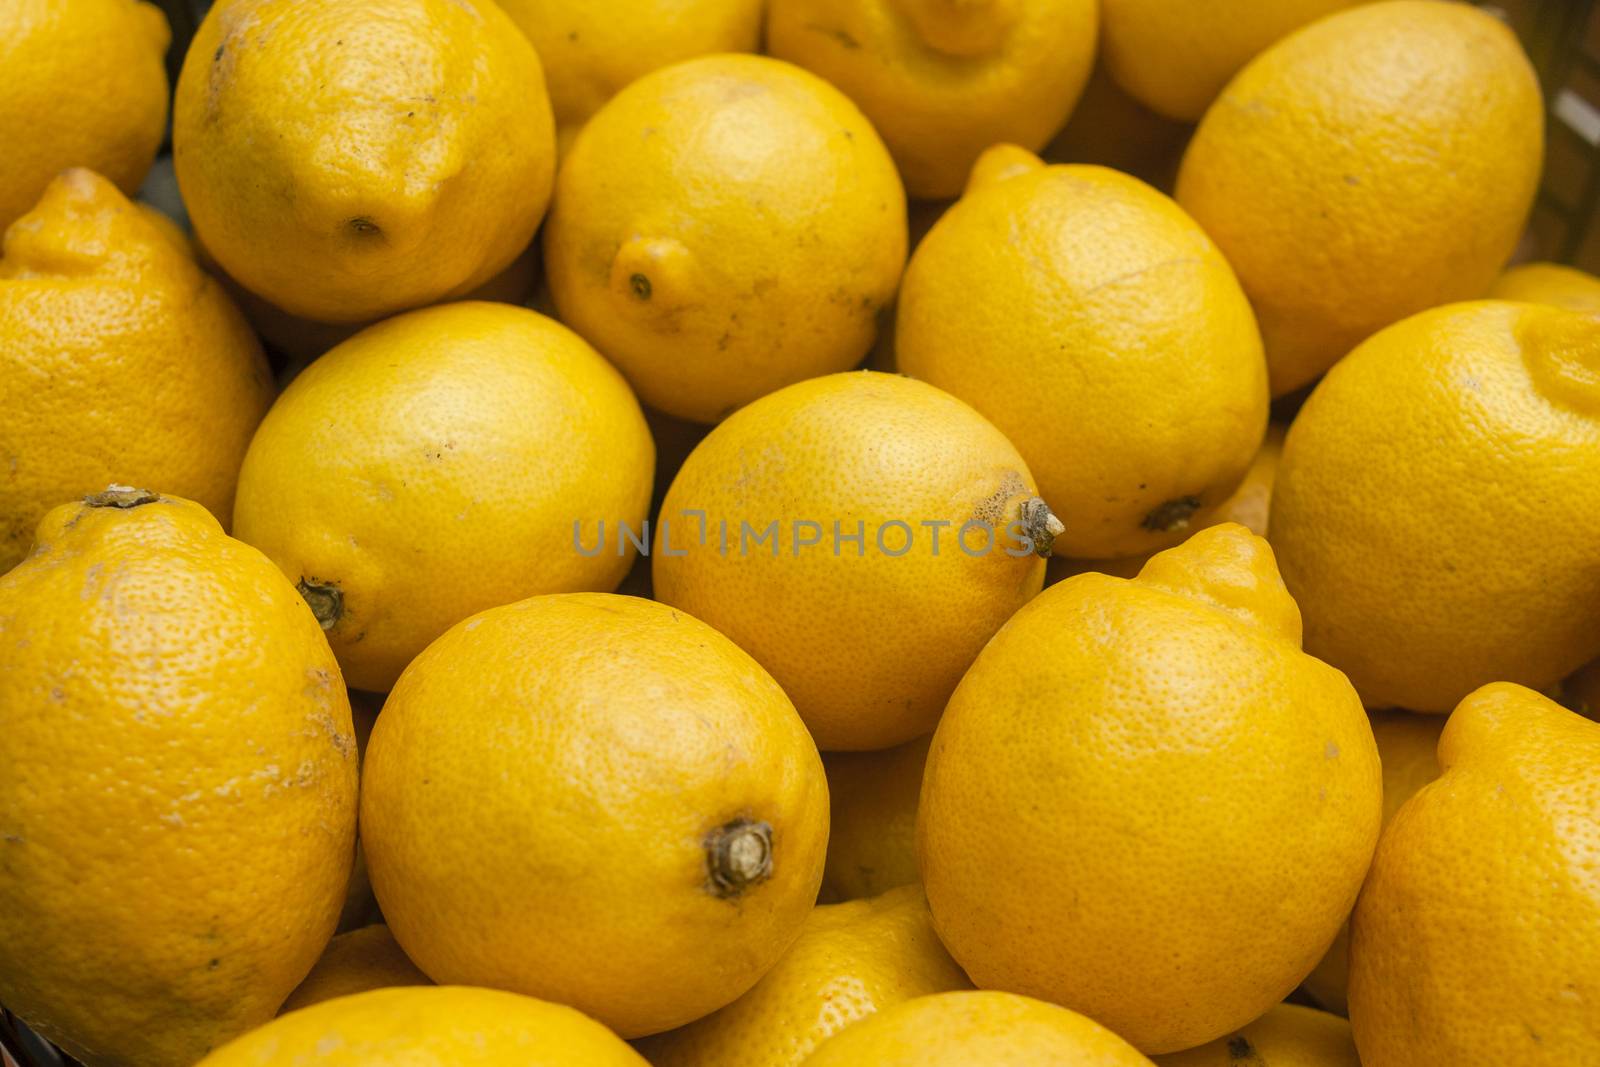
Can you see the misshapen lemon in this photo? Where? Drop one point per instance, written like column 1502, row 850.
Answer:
column 354, row 962
column 850, row 960
column 1431, row 506
column 595, row 799
column 434, row 465
column 1175, row 58
column 942, row 80
column 873, row 529
column 724, row 227
column 1286, row 1036
column 120, row 361
column 429, row 1027
column 352, row 158
column 591, row 51
column 1373, row 164
column 966, row 1028
column 1117, row 814
column 177, row 815
column 1099, row 328
column 1475, row 939
column 84, row 86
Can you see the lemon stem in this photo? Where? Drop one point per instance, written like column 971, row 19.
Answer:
column 121, row 496
column 738, row 854
column 1041, row 526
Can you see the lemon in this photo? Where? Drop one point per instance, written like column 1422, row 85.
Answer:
column 723, row 227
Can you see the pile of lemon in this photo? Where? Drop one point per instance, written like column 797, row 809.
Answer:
column 1167, row 714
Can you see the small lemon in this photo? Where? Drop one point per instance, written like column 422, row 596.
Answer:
column 84, row 86
column 595, row 799
column 354, row 962
column 850, row 960
column 1286, row 1036
column 873, row 819
column 861, row 535
column 723, row 227
column 942, row 80
column 1373, row 164
column 120, row 361
column 1550, row 283
column 1099, row 328
column 351, row 158
column 439, row 463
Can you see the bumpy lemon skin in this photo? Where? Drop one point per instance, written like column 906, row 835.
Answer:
column 177, row 814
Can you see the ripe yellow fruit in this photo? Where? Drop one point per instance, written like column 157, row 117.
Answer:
column 1286, row 1036
column 942, row 80
column 591, row 51
column 84, row 86
column 354, row 962
column 967, row 1028
column 724, row 227
column 352, row 158
column 1475, row 939
column 1432, row 504
column 1175, row 58
column 1407, row 745
column 446, row 1026
column 177, row 812
column 872, row 836
column 1249, row 506
column 867, row 636
column 1550, row 283
column 1100, row 329
column 851, row 960
column 120, row 361
column 433, row 466
column 1373, row 164
column 595, row 799
column 1119, row 816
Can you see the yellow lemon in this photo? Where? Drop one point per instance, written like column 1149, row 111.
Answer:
column 873, row 819
column 429, row 1027
column 1117, row 814
column 1432, row 505
column 120, row 361
column 967, row 1028
column 354, row 962
column 177, row 812
column 1249, row 506
column 1098, row 327
column 850, row 960
column 1407, row 745
column 351, row 158
column 861, row 535
column 1286, row 1036
column 723, row 227
column 439, row 463
column 1550, row 283
column 1175, row 58
column 1475, row 939
column 595, row 799
column 590, row 51
column 1373, row 164
column 84, row 86
column 942, row 80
